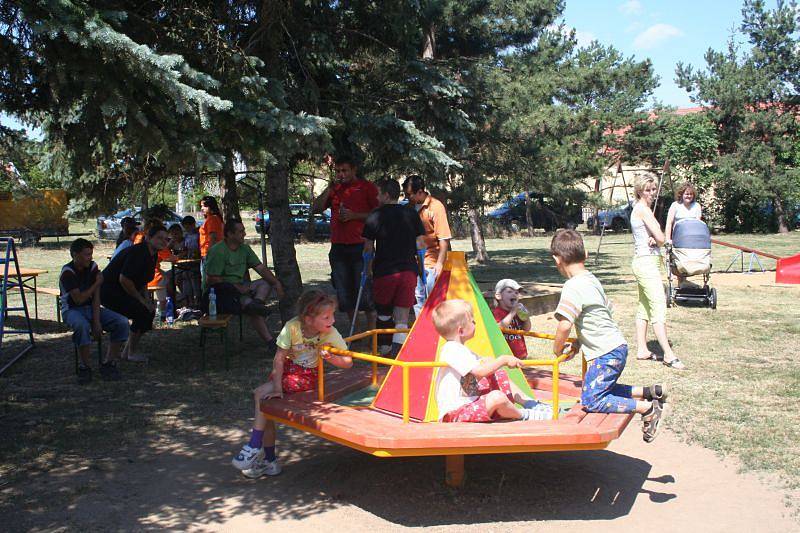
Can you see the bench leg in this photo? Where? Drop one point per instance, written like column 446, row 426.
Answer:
column 203, row 348
column 224, row 338
column 454, row 471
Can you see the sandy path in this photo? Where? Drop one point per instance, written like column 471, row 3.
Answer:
column 630, row 487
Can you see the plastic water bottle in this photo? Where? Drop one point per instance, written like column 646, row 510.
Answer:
column 523, row 313
column 170, row 312
column 212, row 303
column 157, row 320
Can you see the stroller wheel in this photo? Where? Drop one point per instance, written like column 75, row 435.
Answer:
column 712, row 299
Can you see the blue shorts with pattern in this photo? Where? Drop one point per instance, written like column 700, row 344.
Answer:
column 601, row 393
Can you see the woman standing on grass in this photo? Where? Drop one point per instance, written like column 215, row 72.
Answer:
column 210, row 232
column 685, row 206
column 647, row 238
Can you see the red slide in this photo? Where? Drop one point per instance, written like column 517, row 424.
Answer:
column 788, row 270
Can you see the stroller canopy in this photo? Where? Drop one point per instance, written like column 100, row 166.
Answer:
column 691, row 233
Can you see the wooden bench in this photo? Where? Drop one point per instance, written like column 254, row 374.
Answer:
column 50, row 292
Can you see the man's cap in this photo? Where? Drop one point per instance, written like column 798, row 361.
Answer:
column 507, row 284
column 129, row 221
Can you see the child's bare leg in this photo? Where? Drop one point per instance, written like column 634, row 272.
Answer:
column 497, row 402
column 519, row 395
column 269, row 434
column 642, row 406
column 263, row 435
column 260, row 422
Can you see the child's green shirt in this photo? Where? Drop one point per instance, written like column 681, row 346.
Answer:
column 584, row 303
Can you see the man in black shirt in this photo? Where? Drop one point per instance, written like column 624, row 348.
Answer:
column 124, row 288
column 395, row 231
column 80, row 282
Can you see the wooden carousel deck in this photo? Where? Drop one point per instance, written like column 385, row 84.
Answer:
column 385, row 435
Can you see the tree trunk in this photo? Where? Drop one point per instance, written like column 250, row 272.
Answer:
column 780, row 213
column 311, row 228
column 281, row 238
column 228, row 190
column 180, row 204
column 529, row 213
column 145, row 202
column 429, row 41
column 476, row 234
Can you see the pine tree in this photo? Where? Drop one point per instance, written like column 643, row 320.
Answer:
column 753, row 99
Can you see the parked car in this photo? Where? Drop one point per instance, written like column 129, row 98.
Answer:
column 617, row 218
column 792, row 213
column 299, row 214
column 108, row 227
column 547, row 213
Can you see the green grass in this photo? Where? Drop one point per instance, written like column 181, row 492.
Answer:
column 738, row 396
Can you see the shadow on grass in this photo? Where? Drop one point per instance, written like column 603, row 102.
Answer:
column 537, row 265
column 155, row 449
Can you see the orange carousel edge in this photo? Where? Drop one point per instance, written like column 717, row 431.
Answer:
column 385, row 435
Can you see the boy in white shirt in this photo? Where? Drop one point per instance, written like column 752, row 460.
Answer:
column 584, row 303
column 473, row 389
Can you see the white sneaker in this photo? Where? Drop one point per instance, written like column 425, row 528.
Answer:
column 538, row 411
column 247, row 457
column 384, row 349
column 263, row 467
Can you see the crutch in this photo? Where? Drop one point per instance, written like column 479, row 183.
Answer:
column 366, row 258
column 422, row 273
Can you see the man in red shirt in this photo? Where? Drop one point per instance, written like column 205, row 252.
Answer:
column 350, row 200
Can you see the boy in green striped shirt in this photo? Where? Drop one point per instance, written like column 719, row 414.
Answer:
column 584, row 303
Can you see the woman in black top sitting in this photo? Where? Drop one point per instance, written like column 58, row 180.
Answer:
column 124, row 288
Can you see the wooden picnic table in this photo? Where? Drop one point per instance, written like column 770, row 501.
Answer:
column 26, row 276
column 182, row 264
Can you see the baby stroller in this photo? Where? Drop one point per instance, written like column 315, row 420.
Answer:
column 690, row 255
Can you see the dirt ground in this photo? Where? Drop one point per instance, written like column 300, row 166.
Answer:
column 630, row 487
column 183, row 480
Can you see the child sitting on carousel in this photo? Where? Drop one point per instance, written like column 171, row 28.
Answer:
column 474, row 389
column 294, row 370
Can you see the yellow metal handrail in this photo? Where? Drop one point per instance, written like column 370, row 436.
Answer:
column 407, row 365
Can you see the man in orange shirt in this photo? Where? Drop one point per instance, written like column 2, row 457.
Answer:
column 437, row 234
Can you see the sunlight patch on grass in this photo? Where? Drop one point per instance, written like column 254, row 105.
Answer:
column 738, row 396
